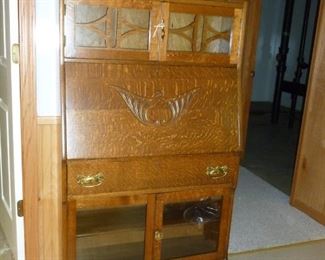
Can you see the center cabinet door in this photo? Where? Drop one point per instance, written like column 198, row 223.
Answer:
column 192, row 224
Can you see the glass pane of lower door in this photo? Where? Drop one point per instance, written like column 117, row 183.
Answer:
column 191, row 228
column 111, row 233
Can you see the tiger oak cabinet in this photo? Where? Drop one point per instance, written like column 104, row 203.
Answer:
column 152, row 127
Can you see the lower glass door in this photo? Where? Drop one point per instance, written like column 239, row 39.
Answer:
column 111, row 233
column 190, row 228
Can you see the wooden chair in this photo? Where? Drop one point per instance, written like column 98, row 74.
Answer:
column 295, row 87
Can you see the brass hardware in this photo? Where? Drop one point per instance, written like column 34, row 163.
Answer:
column 20, row 208
column 159, row 235
column 159, row 30
column 217, row 172
column 15, row 52
column 90, row 181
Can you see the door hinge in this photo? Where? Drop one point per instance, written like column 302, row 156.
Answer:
column 20, row 208
column 15, row 53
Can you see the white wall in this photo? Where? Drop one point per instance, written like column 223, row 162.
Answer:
column 48, row 57
column 267, row 48
column 269, row 43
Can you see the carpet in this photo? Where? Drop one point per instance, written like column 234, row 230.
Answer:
column 263, row 218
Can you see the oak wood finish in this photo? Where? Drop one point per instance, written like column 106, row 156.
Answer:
column 150, row 173
column 198, row 194
column 248, row 62
column 100, row 124
column 150, row 225
column 29, row 129
column 99, row 31
column 308, row 190
column 50, row 182
column 72, row 230
column 151, row 122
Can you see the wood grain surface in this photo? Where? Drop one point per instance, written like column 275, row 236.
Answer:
column 101, row 125
column 308, row 189
column 29, row 129
column 150, row 173
column 192, row 195
column 91, row 38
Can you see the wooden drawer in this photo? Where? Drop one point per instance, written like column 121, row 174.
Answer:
column 149, row 174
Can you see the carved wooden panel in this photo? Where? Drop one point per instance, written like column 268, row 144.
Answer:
column 122, row 110
column 147, row 174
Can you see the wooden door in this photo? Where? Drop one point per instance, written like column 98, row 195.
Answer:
column 10, row 141
column 248, row 62
column 308, row 190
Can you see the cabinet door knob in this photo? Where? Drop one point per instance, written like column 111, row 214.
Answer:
column 158, row 235
column 90, row 181
column 217, row 172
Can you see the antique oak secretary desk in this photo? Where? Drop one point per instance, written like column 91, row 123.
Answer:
column 152, row 132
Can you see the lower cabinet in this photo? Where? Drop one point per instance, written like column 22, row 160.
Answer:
column 189, row 224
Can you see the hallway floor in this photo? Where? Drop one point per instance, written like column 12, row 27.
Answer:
column 271, row 149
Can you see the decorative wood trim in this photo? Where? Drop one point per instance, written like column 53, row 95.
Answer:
column 29, row 129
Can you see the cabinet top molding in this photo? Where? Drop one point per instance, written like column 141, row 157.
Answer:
column 148, row 3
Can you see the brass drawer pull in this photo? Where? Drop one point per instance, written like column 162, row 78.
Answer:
column 217, row 172
column 90, row 181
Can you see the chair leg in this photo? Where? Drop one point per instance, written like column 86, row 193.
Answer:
column 292, row 110
column 276, row 106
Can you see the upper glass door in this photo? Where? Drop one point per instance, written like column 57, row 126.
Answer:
column 100, row 30
column 200, row 33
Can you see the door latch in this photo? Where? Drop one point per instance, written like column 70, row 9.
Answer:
column 20, row 208
column 15, row 53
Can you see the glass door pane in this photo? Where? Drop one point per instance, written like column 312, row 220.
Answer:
column 199, row 33
column 191, row 228
column 110, row 28
column 111, row 233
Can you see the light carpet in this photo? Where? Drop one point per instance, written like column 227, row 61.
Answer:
column 263, row 217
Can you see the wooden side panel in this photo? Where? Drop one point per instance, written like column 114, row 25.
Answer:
column 122, row 110
column 248, row 62
column 150, row 173
column 308, row 191
column 29, row 129
column 50, row 186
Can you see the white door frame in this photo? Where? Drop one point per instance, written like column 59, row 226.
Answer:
column 11, row 36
